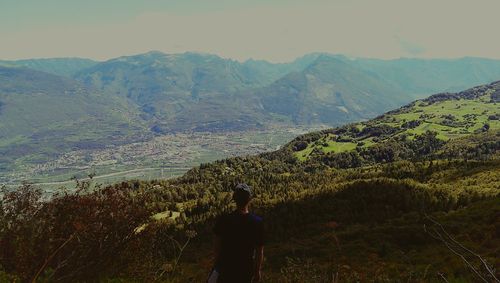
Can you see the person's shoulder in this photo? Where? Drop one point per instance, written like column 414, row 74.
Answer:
column 255, row 218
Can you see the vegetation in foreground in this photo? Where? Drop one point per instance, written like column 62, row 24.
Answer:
column 353, row 224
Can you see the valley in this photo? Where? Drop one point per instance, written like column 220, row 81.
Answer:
column 62, row 118
column 163, row 156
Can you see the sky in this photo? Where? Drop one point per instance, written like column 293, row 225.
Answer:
column 273, row 30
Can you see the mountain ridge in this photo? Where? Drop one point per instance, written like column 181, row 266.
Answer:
column 64, row 66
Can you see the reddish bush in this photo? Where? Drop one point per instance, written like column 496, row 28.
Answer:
column 74, row 237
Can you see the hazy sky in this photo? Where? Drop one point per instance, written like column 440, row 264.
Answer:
column 275, row 30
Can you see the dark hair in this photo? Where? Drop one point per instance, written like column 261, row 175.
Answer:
column 241, row 197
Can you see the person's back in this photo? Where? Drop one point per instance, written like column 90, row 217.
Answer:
column 239, row 235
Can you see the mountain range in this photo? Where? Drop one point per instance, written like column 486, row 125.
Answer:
column 51, row 105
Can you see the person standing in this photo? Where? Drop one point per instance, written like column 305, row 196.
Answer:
column 239, row 243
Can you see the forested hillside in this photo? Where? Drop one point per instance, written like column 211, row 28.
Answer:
column 418, row 203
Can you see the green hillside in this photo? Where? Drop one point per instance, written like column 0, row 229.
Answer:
column 449, row 116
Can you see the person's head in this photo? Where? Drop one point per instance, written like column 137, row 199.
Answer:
column 242, row 195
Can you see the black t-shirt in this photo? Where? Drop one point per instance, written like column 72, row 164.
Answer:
column 239, row 234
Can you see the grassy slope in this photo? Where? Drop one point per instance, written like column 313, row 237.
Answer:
column 468, row 116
